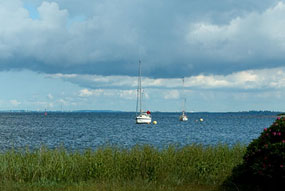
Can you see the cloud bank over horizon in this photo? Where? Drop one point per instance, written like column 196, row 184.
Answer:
column 173, row 40
column 84, row 54
column 249, row 80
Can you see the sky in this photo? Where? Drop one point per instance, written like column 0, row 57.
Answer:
column 83, row 55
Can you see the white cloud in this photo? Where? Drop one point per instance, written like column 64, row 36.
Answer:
column 245, row 80
column 125, row 94
column 85, row 93
column 44, row 39
column 51, row 15
column 114, row 34
column 54, row 41
column 252, row 37
column 15, row 102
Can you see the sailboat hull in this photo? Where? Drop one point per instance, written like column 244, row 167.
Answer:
column 183, row 118
column 143, row 119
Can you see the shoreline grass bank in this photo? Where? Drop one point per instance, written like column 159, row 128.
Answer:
column 178, row 168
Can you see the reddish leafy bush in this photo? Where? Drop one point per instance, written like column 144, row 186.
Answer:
column 263, row 166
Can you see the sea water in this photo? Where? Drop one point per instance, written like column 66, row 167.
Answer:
column 90, row 130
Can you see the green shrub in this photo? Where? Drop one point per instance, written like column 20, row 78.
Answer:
column 263, row 166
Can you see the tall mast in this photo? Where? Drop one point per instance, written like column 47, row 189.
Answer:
column 183, row 106
column 140, row 85
column 139, row 91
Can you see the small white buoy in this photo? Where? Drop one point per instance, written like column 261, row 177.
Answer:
column 201, row 119
column 154, row 122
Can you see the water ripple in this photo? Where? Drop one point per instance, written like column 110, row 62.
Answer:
column 79, row 131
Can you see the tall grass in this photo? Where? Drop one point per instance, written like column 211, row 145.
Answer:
column 193, row 164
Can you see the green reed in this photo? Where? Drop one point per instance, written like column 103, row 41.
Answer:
column 193, row 164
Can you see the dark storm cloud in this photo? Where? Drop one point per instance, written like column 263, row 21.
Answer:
column 172, row 39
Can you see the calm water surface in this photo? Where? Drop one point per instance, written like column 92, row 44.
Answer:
column 79, row 131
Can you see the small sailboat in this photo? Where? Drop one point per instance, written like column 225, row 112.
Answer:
column 183, row 117
column 142, row 117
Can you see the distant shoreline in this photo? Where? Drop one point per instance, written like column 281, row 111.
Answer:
column 278, row 113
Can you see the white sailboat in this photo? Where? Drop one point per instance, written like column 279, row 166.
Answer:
column 183, row 117
column 142, row 117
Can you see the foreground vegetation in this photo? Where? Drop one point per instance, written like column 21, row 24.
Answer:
column 263, row 166
column 260, row 166
column 193, row 167
column 135, row 185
